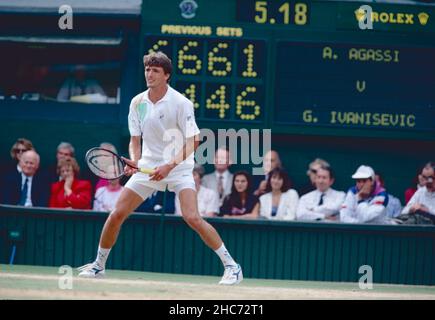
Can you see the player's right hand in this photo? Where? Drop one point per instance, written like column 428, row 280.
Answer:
column 130, row 168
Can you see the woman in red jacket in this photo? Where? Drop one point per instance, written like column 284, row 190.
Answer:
column 70, row 192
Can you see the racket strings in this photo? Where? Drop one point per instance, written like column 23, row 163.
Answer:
column 105, row 164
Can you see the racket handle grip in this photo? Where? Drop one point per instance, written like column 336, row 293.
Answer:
column 146, row 171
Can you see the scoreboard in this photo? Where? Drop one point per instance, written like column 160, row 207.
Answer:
column 300, row 66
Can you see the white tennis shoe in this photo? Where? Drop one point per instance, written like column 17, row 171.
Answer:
column 91, row 270
column 232, row 275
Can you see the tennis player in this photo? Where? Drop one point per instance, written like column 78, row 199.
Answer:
column 164, row 121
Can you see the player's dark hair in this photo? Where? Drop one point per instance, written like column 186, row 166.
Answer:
column 158, row 59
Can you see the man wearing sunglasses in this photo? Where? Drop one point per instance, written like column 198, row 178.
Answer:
column 423, row 200
column 366, row 202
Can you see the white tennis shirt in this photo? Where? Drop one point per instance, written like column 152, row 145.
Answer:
column 163, row 126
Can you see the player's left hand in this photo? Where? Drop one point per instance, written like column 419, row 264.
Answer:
column 161, row 172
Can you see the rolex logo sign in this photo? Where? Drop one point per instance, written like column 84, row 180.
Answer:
column 365, row 14
column 423, row 17
column 359, row 14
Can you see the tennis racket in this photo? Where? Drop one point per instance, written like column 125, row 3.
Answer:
column 108, row 165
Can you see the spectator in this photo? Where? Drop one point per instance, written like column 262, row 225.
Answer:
column 271, row 160
column 367, row 201
column 208, row 199
column 104, row 182
column 65, row 150
column 279, row 201
column 106, row 196
column 324, row 203
column 311, row 173
column 70, row 192
column 240, row 203
column 417, row 183
column 422, row 202
column 77, row 84
column 18, row 148
column 25, row 187
column 394, row 207
column 221, row 179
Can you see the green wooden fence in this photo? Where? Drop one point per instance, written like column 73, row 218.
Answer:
column 266, row 249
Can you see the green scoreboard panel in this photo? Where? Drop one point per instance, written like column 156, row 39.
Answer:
column 300, row 66
column 354, row 85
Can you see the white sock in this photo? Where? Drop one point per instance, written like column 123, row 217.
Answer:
column 102, row 256
column 225, row 256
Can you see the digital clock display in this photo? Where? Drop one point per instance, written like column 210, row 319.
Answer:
column 273, row 12
column 224, row 78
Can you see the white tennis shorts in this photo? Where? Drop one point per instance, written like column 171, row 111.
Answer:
column 175, row 181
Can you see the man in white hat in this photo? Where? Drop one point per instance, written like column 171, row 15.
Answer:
column 365, row 202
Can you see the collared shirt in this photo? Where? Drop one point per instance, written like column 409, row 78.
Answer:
column 424, row 197
column 309, row 208
column 28, row 202
column 164, row 127
column 208, row 201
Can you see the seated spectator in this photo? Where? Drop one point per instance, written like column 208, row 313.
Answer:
column 221, row 179
column 394, row 207
column 18, row 148
column 311, row 173
column 208, row 199
column 78, row 84
column 279, row 201
column 417, row 183
column 422, row 202
column 70, row 192
column 367, row 201
column 106, row 196
column 324, row 203
column 25, row 187
column 271, row 160
column 104, row 182
column 240, row 203
column 65, row 150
